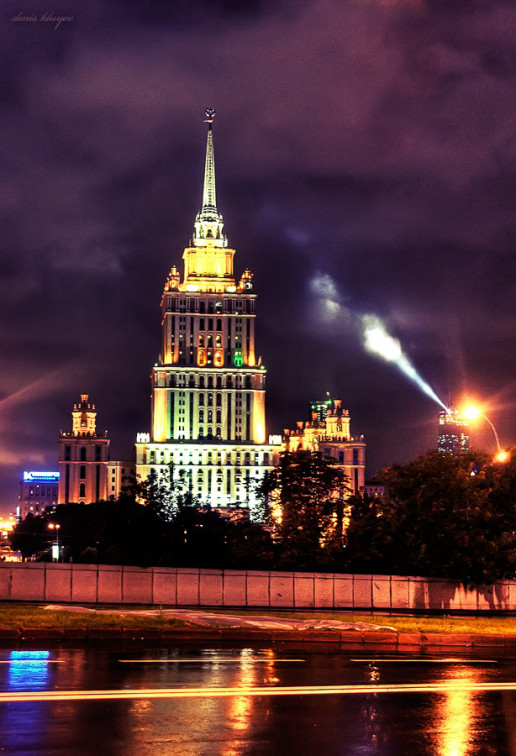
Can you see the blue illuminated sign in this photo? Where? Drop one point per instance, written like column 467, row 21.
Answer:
column 40, row 477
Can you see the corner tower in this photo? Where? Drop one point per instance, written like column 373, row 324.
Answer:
column 208, row 386
column 83, row 457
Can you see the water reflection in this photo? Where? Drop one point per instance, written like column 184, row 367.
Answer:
column 370, row 711
column 241, row 707
column 456, row 711
column 450, row 723
column 28, row 670
column 194, row 727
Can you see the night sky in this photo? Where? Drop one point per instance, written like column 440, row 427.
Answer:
column 365, row 152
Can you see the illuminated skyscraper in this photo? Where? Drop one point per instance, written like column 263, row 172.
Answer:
column 208, row 386
column 453, row 432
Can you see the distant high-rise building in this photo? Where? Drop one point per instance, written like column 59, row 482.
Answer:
column 38, row 490
column 83, row 457
column 453, row 432
column 208, row 385
column 332, row 438
column 319, row 409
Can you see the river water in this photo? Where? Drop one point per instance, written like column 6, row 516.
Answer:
column 262, row 700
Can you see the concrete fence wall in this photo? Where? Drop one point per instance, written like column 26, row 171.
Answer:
column 106, row 584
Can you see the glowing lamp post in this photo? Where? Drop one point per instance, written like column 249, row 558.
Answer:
column 473, row 413
column 55, row 546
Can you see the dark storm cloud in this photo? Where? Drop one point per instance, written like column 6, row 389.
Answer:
column 372, row 141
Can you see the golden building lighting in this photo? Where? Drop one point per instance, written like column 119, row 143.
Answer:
column 208, row 385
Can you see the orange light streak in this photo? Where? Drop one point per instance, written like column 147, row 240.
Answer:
column 317, row 690
column 201, row 660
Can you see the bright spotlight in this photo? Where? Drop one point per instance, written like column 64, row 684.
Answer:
column 471, row 413
column 379, row 341
column 376, row 339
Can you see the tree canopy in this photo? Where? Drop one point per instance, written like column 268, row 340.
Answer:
column 442, row 516
column 303, row 502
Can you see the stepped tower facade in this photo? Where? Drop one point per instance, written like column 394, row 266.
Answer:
column 208, row 385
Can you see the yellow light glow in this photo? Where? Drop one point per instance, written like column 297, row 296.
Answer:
column 259, row 419
column 472, row 412
column 7, row 523
column 276, row 512
column 502, row 456
column 160, row 416
column 259, row 433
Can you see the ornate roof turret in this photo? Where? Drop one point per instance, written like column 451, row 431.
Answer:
column 208, row 223
column 84, row 417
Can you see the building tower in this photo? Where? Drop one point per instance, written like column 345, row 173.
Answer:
column 453, row 432
column 329, row 433
column 320, row 408
column 83, row 457
column 208, row 386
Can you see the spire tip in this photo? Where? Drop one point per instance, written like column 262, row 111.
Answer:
column 209, row 114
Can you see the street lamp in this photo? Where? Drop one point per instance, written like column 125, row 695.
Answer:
column 55, row 546
column 472, row 413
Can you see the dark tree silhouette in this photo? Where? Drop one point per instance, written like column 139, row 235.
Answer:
column 440, row 516
column 304, row 503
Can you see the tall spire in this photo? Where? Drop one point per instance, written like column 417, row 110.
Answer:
column 209, row 199
column 208, row 223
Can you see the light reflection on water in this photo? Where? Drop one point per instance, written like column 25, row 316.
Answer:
column 456, row 723
column 208, row 725
column 28, row 670
column 456, row 710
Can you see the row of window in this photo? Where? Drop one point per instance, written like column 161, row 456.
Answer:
column 209, row 416
column 207, row 341
column 208, row 326
column 83, row 453
column 210, row 381
column 188, row 304
column 217, row 458
column 340, row 456
column 209, row 402
column 42, row 492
